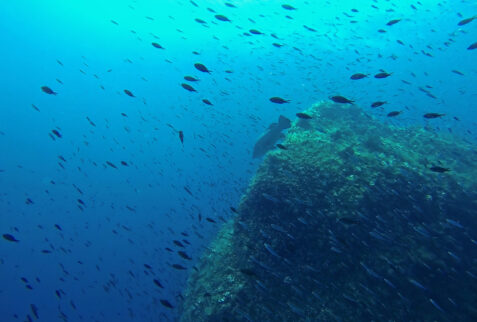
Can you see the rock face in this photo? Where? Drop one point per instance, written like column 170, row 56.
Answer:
column 348, row 223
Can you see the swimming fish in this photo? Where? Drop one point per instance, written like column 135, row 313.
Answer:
column 255, row 32
column 341, row 99
column 288, row 7
column 202, row 68
column 222, row 18
column 191, row 78
column 10, row 238
column 394, row 113
column 303, row 116
column 433, row 115
column 378, row 104
column 129, row 93
column 439, row 169
column 393, row 22
column 48, row 90
column 466, row 21
column 181, row 137
column 155, row 44
column 206, row 101
column 267, row 140
column 473, row 46
column 188, row 87
column 358, row 76
column 382, row 75
column 278, row 100
column 166, row 303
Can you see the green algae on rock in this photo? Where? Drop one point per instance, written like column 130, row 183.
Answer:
column 348, row 224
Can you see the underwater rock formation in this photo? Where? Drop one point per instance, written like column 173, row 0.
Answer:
column 355, row 220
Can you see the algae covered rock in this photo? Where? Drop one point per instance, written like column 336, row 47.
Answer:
column 352, row 220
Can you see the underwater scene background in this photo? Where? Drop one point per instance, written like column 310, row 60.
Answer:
column 238, row 160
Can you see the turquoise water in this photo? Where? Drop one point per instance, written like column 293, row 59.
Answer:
column 113, row 220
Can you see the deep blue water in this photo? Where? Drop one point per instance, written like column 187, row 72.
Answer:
column 111, row 221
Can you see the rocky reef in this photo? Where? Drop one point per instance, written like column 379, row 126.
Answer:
column 352, row 219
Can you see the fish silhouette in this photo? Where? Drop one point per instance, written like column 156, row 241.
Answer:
column 267, row 141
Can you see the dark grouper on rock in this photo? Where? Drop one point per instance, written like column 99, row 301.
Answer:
column 274, row 133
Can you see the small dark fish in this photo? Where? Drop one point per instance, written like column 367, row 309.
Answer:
column 114, row 22
column 202, row 68
column 111, row 164
column 34, row 311
column 129, row 93
column 206, row 101
column 181, row 137
column 466, row 21
column 255, row 32
column 281, row 146
column 46, row 251
column 166, row 303
column 438, row 169
column 57, row 133
column 382, row 75
column 222, row 18
column 394, row 113
column 393, row 22
column 277, row 45
column 178, row 267
column 233, row 210
column 309, row 28
column 48, row 90
column 35, row 107
column 303, row 116
column 378, row 104
column 200, row 20
column 433, row 115
column 184, row 255
column 458, row 72
column 358, row 76
column 288, row 7
column 90, row 122
column 473, row 46
column 278, row 100
column 158, row 283
column 10, row 238
column 58, row 227
column 210, row 220
column 341, row 99
column 156, row 45
column 191, row 79
column 124, row 163
column 178, row 243
column 188, row 87
column 185, row 188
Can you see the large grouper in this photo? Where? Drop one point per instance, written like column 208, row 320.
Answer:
column 274, row 133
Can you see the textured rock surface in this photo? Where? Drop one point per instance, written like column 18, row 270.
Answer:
column 348, row 224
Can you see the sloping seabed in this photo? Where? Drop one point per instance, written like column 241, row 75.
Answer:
column 348, row 224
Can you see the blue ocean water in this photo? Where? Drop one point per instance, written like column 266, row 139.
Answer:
column 96, row 184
